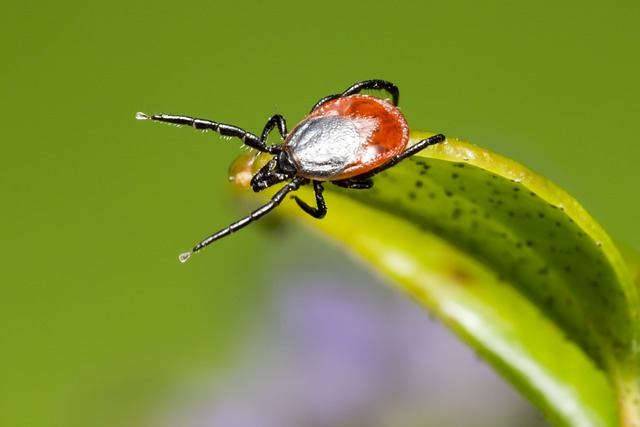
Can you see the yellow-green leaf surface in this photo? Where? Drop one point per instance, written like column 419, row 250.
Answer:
column 511, row 263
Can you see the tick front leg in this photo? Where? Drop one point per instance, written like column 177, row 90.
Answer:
column 253, row 216
column 321, row 209
column 247, row 138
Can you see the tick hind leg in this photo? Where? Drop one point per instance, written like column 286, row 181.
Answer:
column 436, row 139
column 318, row 212
column 365, row 85
column 354, row 183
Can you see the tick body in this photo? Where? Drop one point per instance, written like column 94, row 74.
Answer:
column 346, row 139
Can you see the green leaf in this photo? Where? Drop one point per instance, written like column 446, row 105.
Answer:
column 512, row 264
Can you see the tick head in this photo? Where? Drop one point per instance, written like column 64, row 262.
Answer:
column 278, row 169
column 285, row 164
column 245, row 166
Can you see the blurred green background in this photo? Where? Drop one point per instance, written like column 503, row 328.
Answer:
column 98, row 319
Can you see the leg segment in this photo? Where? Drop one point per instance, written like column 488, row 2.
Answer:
column 321, row 209
column 273, row 121
column 253, row 216
column 353, row 183
column 365, row 85
column 375, row 85
column 406, row 153
column 247, row 138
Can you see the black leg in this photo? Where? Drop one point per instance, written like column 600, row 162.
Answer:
column 324, row 101
column 406, row 153
column 353, row 183
column 377, row 85
column 247, row 138
column 365, row 85
column 321, row 210
column 273, row 121
column 253, row 216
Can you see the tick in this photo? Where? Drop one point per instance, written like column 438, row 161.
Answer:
column 346, row 139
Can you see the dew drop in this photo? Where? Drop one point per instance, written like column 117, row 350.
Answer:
column 141, row 116
column 185, row 256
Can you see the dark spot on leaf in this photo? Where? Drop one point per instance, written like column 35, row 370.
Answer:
column 528, row 243
column 540, row 215
column 418, row 184
column 461, row 276
column 512, row 213
column 454, row 175
column 448, row 193
column 412, row 195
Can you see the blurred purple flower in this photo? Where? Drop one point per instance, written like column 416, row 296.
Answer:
column 356, row 355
